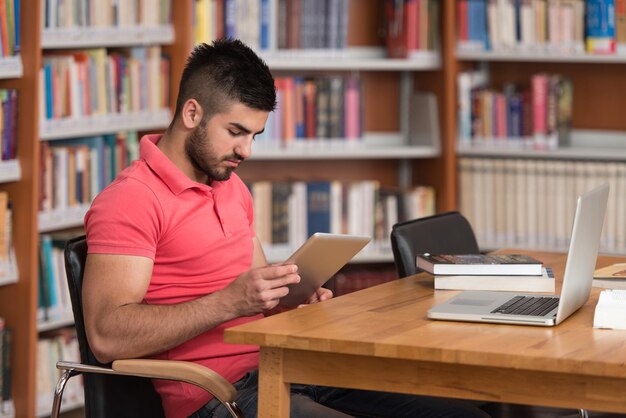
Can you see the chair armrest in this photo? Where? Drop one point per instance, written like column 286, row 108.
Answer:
column 183, row 371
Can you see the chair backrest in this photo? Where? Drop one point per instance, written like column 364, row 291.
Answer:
column 105, row 395
column 445, row 233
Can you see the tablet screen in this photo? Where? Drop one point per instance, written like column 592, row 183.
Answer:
column 321, row 256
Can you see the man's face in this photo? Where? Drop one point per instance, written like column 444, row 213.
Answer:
column 217, row 146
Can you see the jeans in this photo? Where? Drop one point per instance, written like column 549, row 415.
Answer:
column 309, row 401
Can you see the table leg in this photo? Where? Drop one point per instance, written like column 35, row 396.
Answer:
column 274, row 392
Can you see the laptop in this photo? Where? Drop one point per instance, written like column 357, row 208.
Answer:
column 538, row 309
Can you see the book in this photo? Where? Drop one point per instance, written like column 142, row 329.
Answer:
column 600, row 26
column 610, row 277
column 620, row 23
column 424, row 121
column 396, row 24
column 281, row 193
column 7, row 366
column 477, row 264
column 611, row 310
column 318, row 206
column 534, row 283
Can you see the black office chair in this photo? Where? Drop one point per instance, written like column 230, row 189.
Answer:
column 445, row 233
column 124, row 388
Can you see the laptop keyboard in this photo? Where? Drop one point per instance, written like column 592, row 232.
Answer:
column 528, row 305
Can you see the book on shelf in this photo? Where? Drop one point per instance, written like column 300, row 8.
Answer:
column 479, row 264
column 410, row 26
column 538, row 199
column 312, row 110
column 533, row 283
column 611, row 310
column 8, row 265
column 8, row 124
column 84, row 15
column 8, row 32
column 268, row 25
column 287, row 212
column 74, row 171
column 521, row 25
column 349, row 280
column 6, row 348
column 53, row 346
column 424, row 123
column 54, row 295
column 319, row 206
column 610, row 277
column 600, row 26
column 533, row 115
column 620, row 25
column 97, row 82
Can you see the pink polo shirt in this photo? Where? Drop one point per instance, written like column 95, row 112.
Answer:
column 200, row 239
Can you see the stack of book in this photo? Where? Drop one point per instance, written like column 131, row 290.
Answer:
column 611, row 277
column 611, row 310
column 505, row 272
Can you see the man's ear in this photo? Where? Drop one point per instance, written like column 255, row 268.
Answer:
column 191, row 114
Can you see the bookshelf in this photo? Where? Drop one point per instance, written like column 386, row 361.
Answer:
column 18, row 301
column 127, row 108
column 595, row 154
column 384, row 153
column 597, row 120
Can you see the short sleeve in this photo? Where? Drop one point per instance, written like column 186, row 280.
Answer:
column 124, row 219
column 246, row 201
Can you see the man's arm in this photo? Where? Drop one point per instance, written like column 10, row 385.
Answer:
column 258, row 255
column 119, row 325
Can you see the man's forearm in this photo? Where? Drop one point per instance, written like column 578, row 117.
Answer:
column 139, row 330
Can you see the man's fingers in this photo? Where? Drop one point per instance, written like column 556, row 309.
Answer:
column 324, row 294
column 276, row 271
column 276, row 293
column 276, row 276
column 282, row 281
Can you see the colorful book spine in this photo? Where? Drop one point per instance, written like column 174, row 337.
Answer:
column 539, row 84
column 600, row 28
column 266, row 25
column 318, row 204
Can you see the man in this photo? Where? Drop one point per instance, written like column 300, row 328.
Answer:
column 173, row 258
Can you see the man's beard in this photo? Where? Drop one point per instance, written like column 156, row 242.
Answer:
column 200, row 154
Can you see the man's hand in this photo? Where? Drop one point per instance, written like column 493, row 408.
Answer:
column 320, row 295
column 259, row 289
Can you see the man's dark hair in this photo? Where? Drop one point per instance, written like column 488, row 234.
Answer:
column 224, row 72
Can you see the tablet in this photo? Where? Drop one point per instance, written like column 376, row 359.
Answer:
column 321, row 256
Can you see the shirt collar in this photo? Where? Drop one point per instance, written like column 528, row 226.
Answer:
column 167, row 171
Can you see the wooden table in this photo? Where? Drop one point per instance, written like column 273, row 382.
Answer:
column 380, row 339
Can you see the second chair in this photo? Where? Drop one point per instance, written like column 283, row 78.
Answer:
column 445, row 233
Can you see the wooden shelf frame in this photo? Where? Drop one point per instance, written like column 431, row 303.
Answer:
column 18, row 302
column 93, row 37
column 97, row 125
